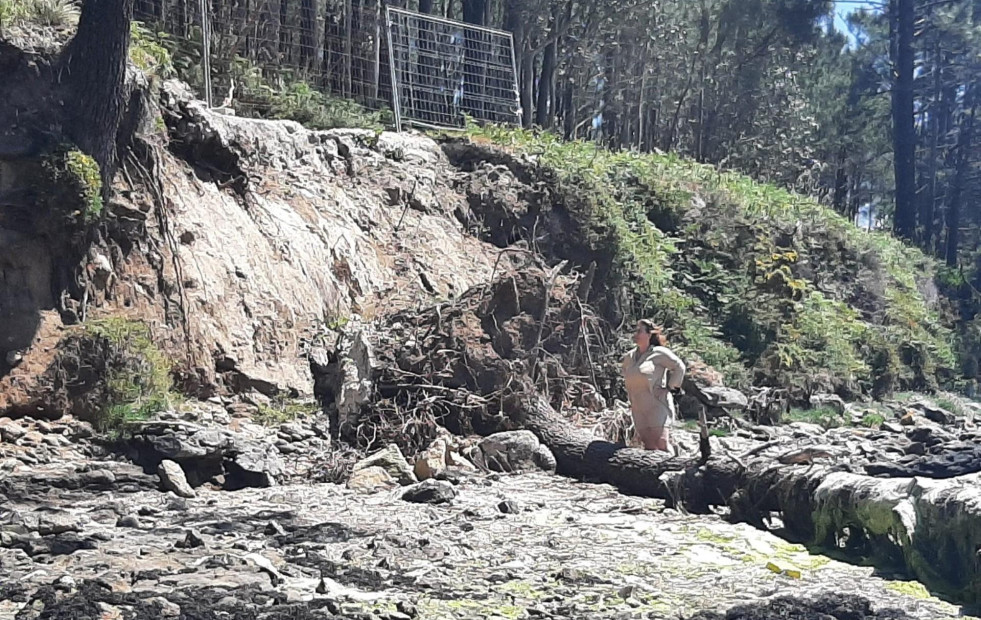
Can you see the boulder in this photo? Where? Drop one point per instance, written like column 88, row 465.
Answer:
column 704, row 384
column 430, row 492
column 391, row 460
column 934, row 414
column 173, row 479
column 829, row 401
column 513, row 451
column 432, row 462
column 371, row 480
column 259, row 466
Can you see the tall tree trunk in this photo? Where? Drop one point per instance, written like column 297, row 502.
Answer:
column 308, row 17
column 473, row 11
column 964, row 143
column 284, row 31
column 839, row 201
column 903, row 133
column 527, row 86
column 546, row 80
column 96, row 70
column 426, row 6
column 929, row 200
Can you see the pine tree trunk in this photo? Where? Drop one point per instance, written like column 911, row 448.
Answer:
column 546, row 80
column 904, row 135
column 95, row 78
column 308, row 18
column 964, row 144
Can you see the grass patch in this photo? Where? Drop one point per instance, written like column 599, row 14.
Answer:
column 282, row 410
column 825, row 417
column 51, row 13
column 872, row 419
column 288, row 97
column 148, row 51
column 949, row 404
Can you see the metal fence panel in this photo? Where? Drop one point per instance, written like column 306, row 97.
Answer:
column 444, row 70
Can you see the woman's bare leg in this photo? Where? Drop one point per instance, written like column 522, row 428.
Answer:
column 654, row 438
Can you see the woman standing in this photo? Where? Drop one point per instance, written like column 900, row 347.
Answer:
column 651, row 371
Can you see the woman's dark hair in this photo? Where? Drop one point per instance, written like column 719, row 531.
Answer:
column 657, row 335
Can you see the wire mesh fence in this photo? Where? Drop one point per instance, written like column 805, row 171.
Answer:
column 323, row 61
column 445, row 70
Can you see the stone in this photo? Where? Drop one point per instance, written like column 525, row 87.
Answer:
column 261, row 466
column 509, row 507
column 371, row 480
column 273, row 528
column 829, row 401
column 131, row 521
column 430, row 492
column 892, row 427
column 192, row 539
column 173, row 479
column 432, row 462
column 724, row 398
column 11, row 431
column 391, row 460
column 935, row 414
column 166, row 608
column 407, row 608
column 513, row 451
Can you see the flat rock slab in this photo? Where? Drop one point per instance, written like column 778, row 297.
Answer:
column 572, row 550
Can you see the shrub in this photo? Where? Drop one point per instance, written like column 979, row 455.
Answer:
column 74, row 179
column 112, row 373
column 282, row 410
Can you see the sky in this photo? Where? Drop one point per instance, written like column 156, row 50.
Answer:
column 844, row 7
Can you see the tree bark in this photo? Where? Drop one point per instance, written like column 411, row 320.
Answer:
column 904, row 134
column 546, row 79
column 96, row 72
column 308, row 18
column 964, row 143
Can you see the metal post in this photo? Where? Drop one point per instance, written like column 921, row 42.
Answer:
column 396, row 85
column 517, row 80
column 206, row 51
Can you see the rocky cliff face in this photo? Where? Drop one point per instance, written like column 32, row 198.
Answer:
column 237, row 242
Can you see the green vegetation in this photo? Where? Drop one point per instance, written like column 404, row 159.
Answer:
column 761, row 283
column 77, row 182
column 825, row 417
column 872, row 420
column 148, row 52
column 137, row 375
column 84, row 172
column 52, row 13
column 282, row 410
column 288, row 96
